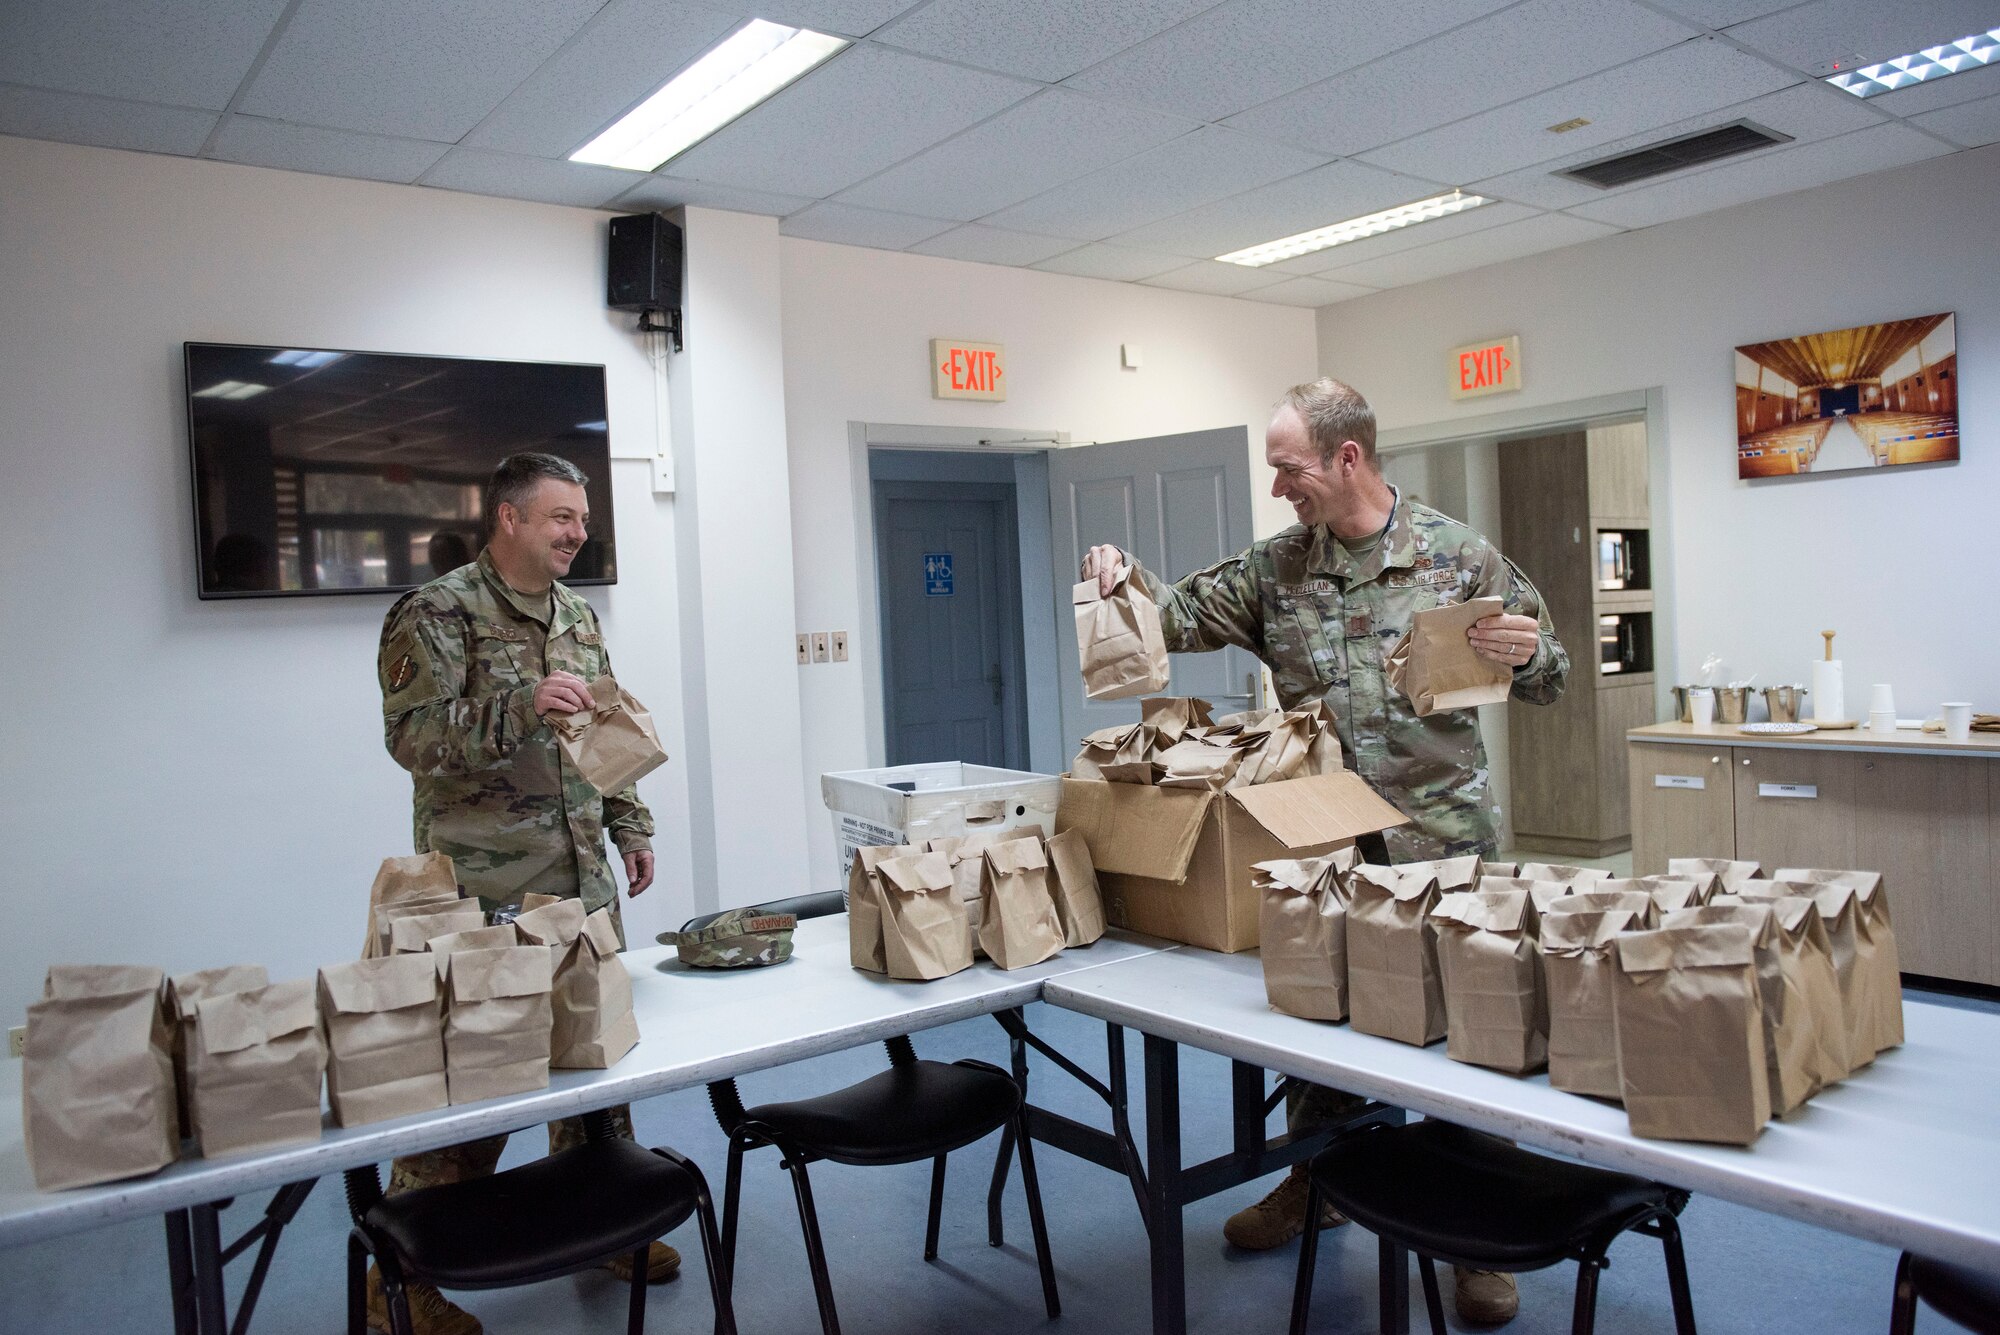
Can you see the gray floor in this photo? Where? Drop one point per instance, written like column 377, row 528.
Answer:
column 1751, row 1272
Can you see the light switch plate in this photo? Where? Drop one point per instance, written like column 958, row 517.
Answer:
column 840, row 646
column 17, row 1040
column 820, row 647
column 805, row 649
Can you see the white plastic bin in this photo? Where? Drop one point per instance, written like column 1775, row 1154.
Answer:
column 909, row 804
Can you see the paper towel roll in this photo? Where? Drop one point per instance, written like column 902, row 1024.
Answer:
column 1829, row 692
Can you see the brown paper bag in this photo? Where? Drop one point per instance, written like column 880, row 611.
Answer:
column 1131, row 771
column 1677, row 892
column 423, row 877
column 384, row 1038
column 1171, row 716
column 1691, row 1034
column 1129, row 743
column 590, row 995
column 1073, row 886
column 1576, row 968
column 1874, row 944
column 554, row 924
column 497, row 1021
column 478, row 938
column 924, row 931
column 1198, row 764
column 1393, row 988
column 1597, row 896
column 184, row 992
column 1278, row 751
column 255, row 1059
column 1543, row 894
column 614, row 744
column 1435, row 667
column 1018, row 923
column 97, row 1077
column 1788, row 1040
column 864, row 905
column 1322, row 740
column 1496, row 1009
column 1727, row 871
column 1840, row 914
column 1302, row 931
column 1812, row 988
column 968, row 869
column 412, row 934
column 1119, row 640
column 1562, row 873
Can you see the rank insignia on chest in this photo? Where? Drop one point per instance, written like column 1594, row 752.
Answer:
column 1358, row 624
column 402, row 672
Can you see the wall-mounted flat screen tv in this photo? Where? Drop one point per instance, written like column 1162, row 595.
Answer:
column 323, row 471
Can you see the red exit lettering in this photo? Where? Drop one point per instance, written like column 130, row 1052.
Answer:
column 971, row 369
column 1483, row 368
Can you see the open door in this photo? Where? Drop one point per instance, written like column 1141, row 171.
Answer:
column 1178, row 503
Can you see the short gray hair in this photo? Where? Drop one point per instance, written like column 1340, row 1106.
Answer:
column 515, row 480
column 1334, row 413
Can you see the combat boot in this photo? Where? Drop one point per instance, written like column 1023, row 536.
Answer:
column 1279, row 1217
column 431, row 1313
column 1484, row 1297
column 662, row 1264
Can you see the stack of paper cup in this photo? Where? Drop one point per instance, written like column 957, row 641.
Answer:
column 1829, row 692
column 1881, row 708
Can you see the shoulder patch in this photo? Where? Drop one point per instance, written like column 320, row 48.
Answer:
column 402, row 672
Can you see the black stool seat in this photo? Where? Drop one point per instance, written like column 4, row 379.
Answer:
column 550, row 1217
column 1474, row 1199
column 908, row 1112
column 1970, row 1298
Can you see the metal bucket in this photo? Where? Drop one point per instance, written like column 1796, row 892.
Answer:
column 1732, row 704
column 1683, row 710
column 1786, row 703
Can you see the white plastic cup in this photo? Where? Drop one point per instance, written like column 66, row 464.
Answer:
column 1957, row 721
column 1701, row 706
column 1881, row 720
column 1881, row 700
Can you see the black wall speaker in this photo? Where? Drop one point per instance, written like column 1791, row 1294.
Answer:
column 645, row 265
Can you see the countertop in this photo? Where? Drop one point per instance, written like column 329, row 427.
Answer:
column 1900, row 742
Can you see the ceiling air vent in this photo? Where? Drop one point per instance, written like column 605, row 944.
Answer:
column 1674, row 155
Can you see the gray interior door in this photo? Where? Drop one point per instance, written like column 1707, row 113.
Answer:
column 1178, row 503
column 948, row 572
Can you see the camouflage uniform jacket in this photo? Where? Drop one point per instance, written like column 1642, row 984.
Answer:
column 459, row 663
column 1324, row 623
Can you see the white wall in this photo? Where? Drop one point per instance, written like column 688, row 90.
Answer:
column 192, row 783
column 1896, row 561
column 857, row 331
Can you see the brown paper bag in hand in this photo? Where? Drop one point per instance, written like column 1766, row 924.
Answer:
column 1119, row 640
column 384, row 1038
column 1788, row 1041
column 1726, row 871
column 1434, row 666
column 1393, row 988
column 1816, row 1025
column 864, row 905
column 421, row 878
column 1128, row 743
column 1496, row 1012
column 184, row 992
column 1691, row 1034
column 1302, row 935
column 498, row 1018
column 1073, row 886
column 924, row 931
column 614, row 744
column 97, row 1077
column 590, row 995
column 1018, row 924
column 255, row 1059
column 1576, row 968
column 1875, row 944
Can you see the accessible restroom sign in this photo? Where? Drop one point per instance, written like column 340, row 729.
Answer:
column 962, row 370
column 1492, row 367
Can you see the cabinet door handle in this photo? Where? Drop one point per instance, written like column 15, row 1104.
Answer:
column 1746, row 760
column 1715, row 760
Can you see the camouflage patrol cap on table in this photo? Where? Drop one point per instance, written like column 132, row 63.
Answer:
column 739, row 939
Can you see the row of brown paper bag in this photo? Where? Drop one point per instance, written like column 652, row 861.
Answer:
column 921, row 913
column 1176, row 745
column 1119, row 641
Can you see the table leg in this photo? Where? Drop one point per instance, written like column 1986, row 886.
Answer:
column 211, row 1307
column 1163, row 1180
column 1393, row 1283
column 180, row 1272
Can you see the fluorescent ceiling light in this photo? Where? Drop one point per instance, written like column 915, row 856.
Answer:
column 1931, row 63
column 302, row 357
column 1354, row 229
column 748, row 66
column 231, row 389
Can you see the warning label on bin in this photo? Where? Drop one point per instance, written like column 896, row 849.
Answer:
column 852, row 832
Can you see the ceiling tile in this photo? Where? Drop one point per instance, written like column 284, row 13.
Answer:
column 302, row 148
column 991, row 245
column 1668, row 86
column 1969, row 86
column 1329, row 194
column 1245, row 52
column 1308, row 292
column 1422, row 234
column 1824, row 31
column 1193, row 170
column 1527, row 49
column 1047, row 40
column 1119, row 263
column 1874, row 149
column 847, row 18
column 104, row 122
column 482, row 173
column 860, row 112
column 1549, row 231
column 188, row 53
column 1221, row 280
column 1969, row 123
column 1723, row 13
column 1808, row 112
column 1051, row 138
column 414, row 71
column 849, row 226
column 666, row 192
column 627, row 51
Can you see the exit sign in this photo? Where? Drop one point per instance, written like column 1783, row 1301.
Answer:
column 962, row 370
column 1492, row 367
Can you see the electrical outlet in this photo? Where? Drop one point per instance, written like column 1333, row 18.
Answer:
column 840, row 646
column 820, row 647
column 17, row 1040
column 805, row 649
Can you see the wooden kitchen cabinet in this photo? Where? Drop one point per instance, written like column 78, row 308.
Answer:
column 1795, row 808
column 1683, row 804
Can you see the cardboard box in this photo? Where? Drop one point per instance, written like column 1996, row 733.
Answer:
column 1175, row 862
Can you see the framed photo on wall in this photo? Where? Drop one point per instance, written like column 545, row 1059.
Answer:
column 1874, row 396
